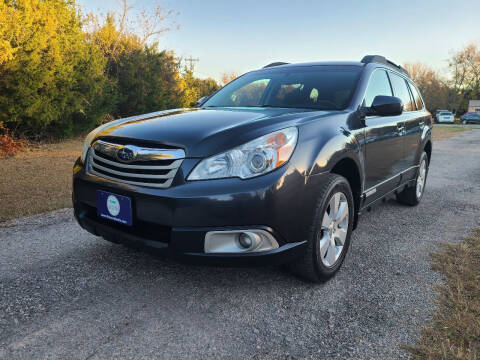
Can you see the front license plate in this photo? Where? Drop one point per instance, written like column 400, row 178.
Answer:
column 114, row 207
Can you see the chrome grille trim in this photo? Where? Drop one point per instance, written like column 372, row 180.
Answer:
column 164, row 185
column 173, row 165
column 111, row 168
column 141, row 153
column 169, row 175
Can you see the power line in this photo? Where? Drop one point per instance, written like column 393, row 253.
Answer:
column 191, row 60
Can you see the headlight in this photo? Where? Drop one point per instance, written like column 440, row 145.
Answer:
column 254, row 158
column 91, row 136
column 86, row 144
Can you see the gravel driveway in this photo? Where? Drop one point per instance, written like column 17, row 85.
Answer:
column 66, row 294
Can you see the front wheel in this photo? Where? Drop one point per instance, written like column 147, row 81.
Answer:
column 414, row 193
column 330, row 234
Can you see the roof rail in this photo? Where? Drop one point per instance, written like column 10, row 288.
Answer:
column 382, row 60
column 275, row 64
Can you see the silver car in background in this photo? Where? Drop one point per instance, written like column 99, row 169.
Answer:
column 445, row 117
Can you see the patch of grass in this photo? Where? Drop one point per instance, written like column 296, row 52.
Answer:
column 441, row 132
column 37, row 179
column 454, row 332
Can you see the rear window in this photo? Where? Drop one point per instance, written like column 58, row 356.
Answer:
column 319, row 87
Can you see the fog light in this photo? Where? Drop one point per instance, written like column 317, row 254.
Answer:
column 245, row 240
column 249, row 240
column 239, row 241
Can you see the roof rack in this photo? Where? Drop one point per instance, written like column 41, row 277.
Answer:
column 275, row 64
column 382, row 60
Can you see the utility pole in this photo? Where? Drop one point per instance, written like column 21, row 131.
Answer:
column 191, row 60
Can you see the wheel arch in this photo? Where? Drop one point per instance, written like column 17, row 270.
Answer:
column 348, row 168
column 428, row 149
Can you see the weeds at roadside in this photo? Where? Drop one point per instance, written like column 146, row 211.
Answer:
column 8, row 144
column 454, row 331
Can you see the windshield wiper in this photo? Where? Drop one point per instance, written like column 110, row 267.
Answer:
column 273, row 106
column 296, row 107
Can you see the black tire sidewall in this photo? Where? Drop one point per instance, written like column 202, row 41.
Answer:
column 340, row 185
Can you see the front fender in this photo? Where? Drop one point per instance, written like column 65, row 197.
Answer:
column 322, row 144
column 334, row 150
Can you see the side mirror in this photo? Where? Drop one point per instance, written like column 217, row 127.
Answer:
column 386, row 106
column 199, row 102
column 202, row 100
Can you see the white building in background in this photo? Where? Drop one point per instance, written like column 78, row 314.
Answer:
column 474, row 106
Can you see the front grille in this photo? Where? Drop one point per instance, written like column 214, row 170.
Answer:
column 145, row 166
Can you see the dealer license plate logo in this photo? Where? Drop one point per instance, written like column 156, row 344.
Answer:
column 114, row 207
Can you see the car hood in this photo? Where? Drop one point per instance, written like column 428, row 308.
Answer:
column 204, row 132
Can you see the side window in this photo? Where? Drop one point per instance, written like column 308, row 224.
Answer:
column 378, row 85
column 416, row 96
column 400, row 90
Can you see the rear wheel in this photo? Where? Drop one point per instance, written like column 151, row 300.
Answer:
column 330, row 234
column 414, row 193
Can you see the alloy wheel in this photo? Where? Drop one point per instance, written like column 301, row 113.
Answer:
column 422, row 173
column 334, row 229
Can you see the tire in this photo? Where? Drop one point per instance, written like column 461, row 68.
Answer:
column 410, row 195
column 312, row 266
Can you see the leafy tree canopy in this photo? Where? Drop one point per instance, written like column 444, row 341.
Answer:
column 62, row 73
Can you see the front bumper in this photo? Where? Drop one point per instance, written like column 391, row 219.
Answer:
column 175, row 220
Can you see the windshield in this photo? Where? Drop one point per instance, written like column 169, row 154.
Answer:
column 322, row 87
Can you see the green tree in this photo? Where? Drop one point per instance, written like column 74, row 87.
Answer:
column 189, row 91
column 51, row 78
column 147, row 81
column 206, row 86
column 193, row 88
column 146, row 78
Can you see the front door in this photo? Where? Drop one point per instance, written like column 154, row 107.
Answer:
column 384, row 147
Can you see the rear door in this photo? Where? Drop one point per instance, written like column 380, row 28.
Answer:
column 414, row 126
column 383, row 142
column 408, row 128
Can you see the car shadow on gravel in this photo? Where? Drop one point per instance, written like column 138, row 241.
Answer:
column 140, row 262
column 101, row 273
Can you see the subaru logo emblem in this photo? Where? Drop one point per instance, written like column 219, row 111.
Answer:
column 125, row 154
